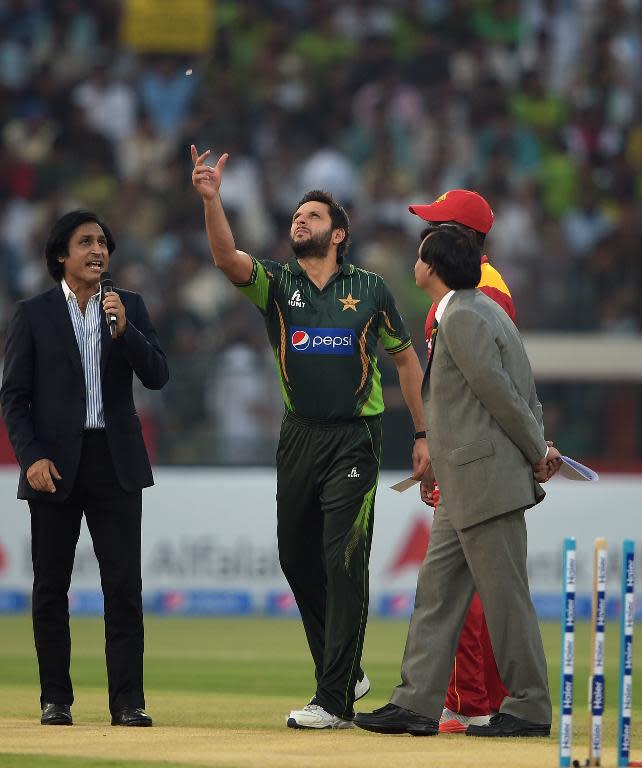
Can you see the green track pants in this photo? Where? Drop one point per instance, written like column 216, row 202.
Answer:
column 326, row 484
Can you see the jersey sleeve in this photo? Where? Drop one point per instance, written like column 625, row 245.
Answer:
column 259, row 287
column 392, row 332
column 493, row 285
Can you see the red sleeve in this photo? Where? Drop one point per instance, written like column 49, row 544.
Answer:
column 430, row 319
column 503, row 299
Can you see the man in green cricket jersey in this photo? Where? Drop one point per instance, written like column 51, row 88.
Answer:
column 324, row 318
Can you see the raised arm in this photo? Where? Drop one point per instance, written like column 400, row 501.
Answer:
column 236, row 265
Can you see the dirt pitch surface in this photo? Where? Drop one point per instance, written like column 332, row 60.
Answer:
column 272, row 749
column 233, row 731
column 282, row 748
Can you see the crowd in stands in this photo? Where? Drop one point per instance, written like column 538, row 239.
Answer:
column 536, row 104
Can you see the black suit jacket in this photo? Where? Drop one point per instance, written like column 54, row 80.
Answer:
column 43, row 390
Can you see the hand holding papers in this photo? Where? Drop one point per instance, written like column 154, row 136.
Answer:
column 570, row 469
column 403, row 485
column 573, row 470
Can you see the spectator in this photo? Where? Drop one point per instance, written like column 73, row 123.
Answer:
column 537, row 104
column 109, row 104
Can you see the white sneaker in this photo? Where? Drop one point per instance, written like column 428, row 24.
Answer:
column 314, row 716
column 454, row 722
column 361, row 687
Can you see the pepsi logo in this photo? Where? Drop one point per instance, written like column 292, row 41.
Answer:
column 322, row 341
column 300, row 340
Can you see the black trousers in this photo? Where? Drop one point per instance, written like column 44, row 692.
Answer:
column 326, row 485
column 114, row 521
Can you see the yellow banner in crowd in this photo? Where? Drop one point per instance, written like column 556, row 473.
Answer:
column 168, row 26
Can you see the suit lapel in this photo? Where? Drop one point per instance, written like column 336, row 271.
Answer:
column 454, row 299
column 105, row 344
column 62, row 320
column 431, row 349
column 425, row 381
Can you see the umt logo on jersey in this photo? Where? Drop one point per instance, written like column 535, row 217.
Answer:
column 322, row 341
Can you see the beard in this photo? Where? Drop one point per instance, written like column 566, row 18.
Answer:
column 315, row 247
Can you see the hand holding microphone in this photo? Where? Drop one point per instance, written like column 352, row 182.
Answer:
column 113, row 306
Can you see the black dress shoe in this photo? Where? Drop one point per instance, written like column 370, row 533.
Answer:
column 394, row 719
column 504, row 724
column 56, row 714
column 136, row 717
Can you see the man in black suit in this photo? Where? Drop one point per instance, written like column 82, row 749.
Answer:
column 67, row 402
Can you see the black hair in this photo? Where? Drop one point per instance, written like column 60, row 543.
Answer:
column 480, row 237
column 338, row 216
column 454, row 254
column 58, row 241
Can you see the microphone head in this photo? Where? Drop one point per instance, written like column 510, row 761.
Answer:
column 106, row 282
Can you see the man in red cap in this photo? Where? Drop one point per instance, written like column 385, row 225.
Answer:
column 475, row 688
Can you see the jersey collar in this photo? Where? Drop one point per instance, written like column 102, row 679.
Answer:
column 345, row 268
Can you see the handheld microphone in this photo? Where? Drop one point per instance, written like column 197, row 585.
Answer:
column 106, row 286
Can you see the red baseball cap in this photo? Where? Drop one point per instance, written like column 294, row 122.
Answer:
column 460, row 205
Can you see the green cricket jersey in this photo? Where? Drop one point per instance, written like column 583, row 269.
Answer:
column 325, row 341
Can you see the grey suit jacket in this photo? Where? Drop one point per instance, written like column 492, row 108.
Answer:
column 483, row 418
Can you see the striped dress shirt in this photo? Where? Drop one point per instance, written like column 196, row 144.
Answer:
column 87, row 330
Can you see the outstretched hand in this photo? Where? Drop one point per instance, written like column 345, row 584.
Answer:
column 205, row 178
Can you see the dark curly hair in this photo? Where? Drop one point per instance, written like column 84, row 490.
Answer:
column 58, row 241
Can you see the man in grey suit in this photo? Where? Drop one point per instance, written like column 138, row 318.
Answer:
column 486, row 438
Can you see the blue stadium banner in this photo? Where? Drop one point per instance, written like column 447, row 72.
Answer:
column 201, row 603
column 86, row 602
column 13, row 601
column 281, row 604
column 396, row 605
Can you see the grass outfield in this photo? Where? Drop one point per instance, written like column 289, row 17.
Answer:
column 219, row 690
